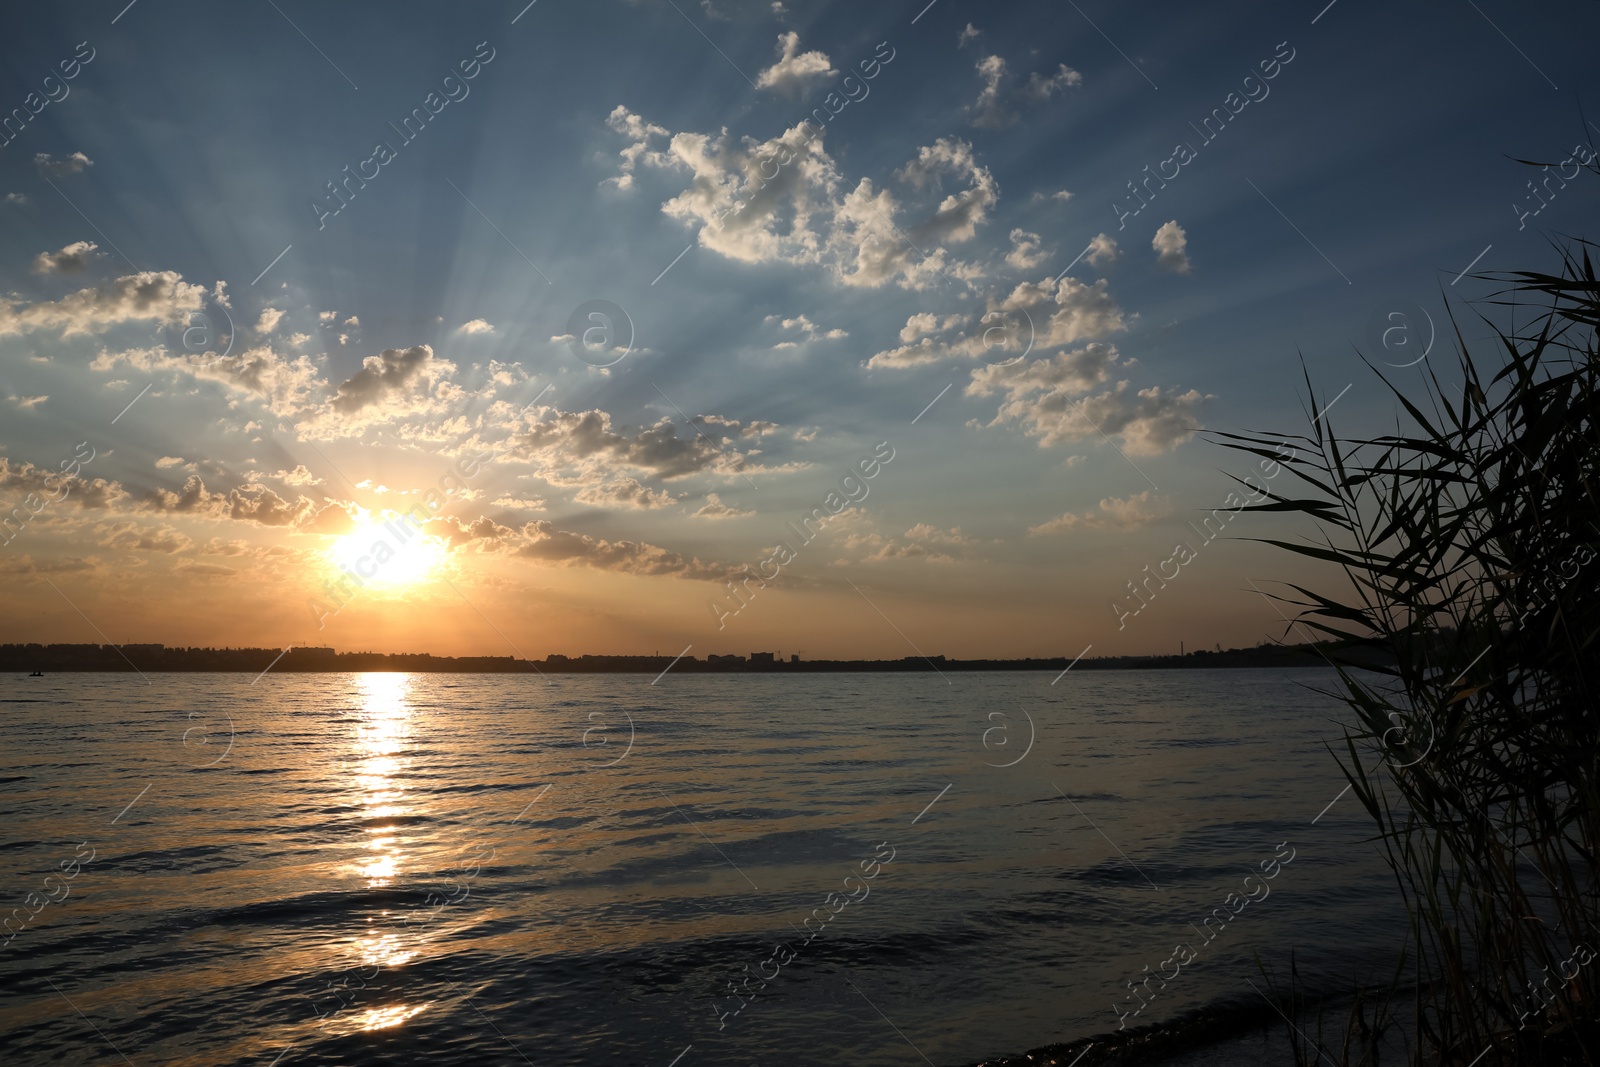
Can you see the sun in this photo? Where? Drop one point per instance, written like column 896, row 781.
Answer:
column 387, row 554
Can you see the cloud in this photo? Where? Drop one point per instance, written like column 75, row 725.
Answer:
column 627, row 493
column 782, row 201
column 794, row 68
column 960, row 214
column 971, row 33
column 923, row 541
column 327, row 318
column 714, row 508
column 13, row 198
column 150, row 296
column 808, row 330
column 1075, row 371
column 475, row 326
column 1103, row 251
column 640, row 133
column 353, row 320
column 1113, row 513
column 1080, row 312
column 994, row 108
column 1041, row 88
column 299, row 476
column 392, row 371
column 1061, row 312
column 131, row 536
column 581, row 447
column 69, row 260
column 540, row 540
column 544, row 542
column 335, row 520
column 1025, row 252
column 288, row 387
column 987, row 111
column 25, row 565
column 55, row 485
column 521, row 503
column 51, row 167
column 269, row 320
column 27, row 402
column 1171, row 245
column 1148, row 421
column 169, row 461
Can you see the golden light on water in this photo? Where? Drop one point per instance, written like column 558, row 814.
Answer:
column 382, row 731
column 381, row 737
column 383, row 1018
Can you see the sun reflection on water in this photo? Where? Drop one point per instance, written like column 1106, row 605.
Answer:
column 376, row 774
column 383, row 728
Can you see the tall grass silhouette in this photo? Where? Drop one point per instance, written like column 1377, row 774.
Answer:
column 1470, row 538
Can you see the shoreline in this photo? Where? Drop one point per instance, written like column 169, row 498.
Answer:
column 17, row 658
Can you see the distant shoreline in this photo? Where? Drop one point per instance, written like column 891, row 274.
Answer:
column 159, row 659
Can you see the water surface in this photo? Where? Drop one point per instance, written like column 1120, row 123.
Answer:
column 392, row 868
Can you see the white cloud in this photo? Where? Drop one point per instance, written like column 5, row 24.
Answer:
column 475, row 326
column 780, row 201
column 627, row 493
column 521, row 503
column 1081, row 312
column 794, row 68
column 327, row 318
column 159, row 296
column 28, row 402
column 299, row 476
column 1148, row 421
column 392, row 372
column 987, row 111
column 169, row 461
column 51, row 167
column 1074, row 371
column 1025, row 253
column 1171, row 245
column 808, row 330
column 714, row 508
column 72, row 258
column 13, row 198
column 353, row 320
column 288, row 387
column 583, row 448
column 971, row 33
column 1103, row 251
column 1052, row 313
column 1043, row 88
column 270, row 317
column 1112, row 513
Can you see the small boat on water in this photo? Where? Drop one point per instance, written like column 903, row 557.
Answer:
column 37, row 674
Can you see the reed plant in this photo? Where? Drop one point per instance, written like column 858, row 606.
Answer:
column 1467, row 630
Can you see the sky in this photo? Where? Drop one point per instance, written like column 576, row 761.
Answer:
column 516, row 329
